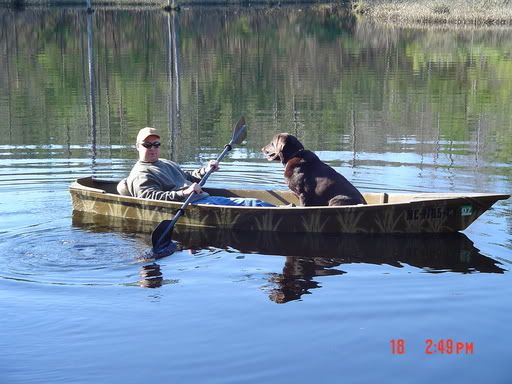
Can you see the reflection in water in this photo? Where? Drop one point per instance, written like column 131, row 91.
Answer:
column 314, row 255
column 173, row 68
column 337, row 83
column 150, row 276
column 297, row 277
column 92, row 88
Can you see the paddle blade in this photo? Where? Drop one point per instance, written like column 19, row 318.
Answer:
column 161, row 238
column 239, row 132
column 166, row 251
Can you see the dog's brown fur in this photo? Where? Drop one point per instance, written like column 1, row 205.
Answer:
column 314, row 182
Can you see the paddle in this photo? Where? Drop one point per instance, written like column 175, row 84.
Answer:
column 161, row 237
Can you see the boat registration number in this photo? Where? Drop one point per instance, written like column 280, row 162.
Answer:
column 466, row 210
column 430, row 213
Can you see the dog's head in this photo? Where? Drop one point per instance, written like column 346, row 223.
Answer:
column 282, row 147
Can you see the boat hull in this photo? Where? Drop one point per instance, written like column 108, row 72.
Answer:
column 393, row 213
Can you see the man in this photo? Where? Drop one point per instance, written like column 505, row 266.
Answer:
column 160, row 179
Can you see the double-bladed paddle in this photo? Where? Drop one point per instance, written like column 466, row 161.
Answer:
column 161, row 237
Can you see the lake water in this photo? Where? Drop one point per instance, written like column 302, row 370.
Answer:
column 393, row 109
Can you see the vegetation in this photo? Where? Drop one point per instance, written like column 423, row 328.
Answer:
column 437, row 11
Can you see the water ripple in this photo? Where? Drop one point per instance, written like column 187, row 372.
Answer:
column 45, row 254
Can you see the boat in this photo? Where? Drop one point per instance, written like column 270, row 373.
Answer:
column 384, row 213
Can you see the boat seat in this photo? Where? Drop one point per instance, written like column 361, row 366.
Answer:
column 376, row 198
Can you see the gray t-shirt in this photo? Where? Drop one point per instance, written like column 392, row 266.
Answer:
column 162, row 180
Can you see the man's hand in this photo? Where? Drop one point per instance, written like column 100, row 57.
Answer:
column 213, row 165
column 193, row 188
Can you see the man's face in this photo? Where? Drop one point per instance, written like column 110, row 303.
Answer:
column 152, row 153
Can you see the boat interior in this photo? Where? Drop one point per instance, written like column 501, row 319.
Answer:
column 283, row 197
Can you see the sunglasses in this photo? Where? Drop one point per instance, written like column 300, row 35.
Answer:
column 156, row 144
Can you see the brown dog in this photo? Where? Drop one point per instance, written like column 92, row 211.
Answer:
column 314, row 182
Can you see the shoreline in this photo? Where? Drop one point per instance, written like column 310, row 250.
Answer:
column 434, row 13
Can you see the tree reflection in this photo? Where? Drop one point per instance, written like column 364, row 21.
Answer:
column 92, row 87
column 316, row 72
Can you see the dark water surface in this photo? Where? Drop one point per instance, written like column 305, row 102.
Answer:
column 422, row 110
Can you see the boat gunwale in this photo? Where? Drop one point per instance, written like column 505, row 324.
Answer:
column 421, row 198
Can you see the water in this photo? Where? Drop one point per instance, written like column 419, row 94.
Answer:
column 392, row 109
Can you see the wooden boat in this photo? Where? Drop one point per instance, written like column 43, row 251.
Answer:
column 384, row 213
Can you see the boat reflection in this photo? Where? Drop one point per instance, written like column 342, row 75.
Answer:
column 308, row 256
column 311, row 255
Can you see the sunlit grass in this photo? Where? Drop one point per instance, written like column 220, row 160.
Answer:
column 438, row 11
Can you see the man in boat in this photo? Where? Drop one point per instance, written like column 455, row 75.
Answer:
column 160, row 179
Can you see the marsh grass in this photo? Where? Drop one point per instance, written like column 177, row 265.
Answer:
column 437, row 11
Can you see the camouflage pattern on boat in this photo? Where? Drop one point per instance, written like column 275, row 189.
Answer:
column 385, row 213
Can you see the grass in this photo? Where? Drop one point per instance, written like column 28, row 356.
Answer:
column 479, row 12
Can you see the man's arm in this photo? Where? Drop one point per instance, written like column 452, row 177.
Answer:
column 196, row 175
column 148, row 188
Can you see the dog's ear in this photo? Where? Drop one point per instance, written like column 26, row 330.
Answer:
column 280, row 144
column 289, row 148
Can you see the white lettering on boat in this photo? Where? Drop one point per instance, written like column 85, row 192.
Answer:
column 466, row 210
column 430, row 213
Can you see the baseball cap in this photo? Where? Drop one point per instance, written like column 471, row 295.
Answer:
column 145, row 132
